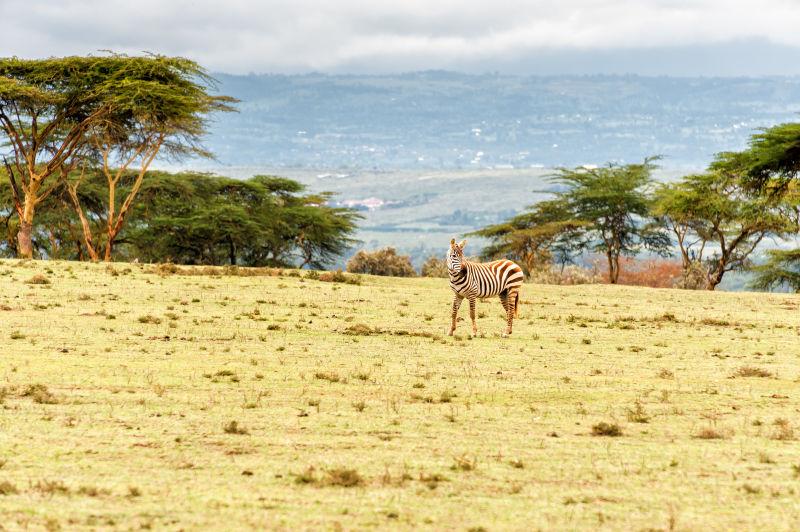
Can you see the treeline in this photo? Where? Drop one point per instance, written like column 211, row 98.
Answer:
column 714, row 221
column 186, row 218
column 81, row 134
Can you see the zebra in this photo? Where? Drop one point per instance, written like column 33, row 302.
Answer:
column 473, row 280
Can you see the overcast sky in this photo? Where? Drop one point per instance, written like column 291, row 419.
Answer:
column 683, row 37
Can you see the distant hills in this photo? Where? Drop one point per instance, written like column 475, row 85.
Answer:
column 451, row 121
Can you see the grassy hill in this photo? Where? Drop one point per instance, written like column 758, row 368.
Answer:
column 136, row 396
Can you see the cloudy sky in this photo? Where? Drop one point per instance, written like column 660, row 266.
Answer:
column 679, row 37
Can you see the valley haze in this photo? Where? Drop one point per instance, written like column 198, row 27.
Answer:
column 428, row 155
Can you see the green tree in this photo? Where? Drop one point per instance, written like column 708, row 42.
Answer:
column 127, row 108
column 263, row 221
column 546, row 233
column 612, row 205
column 719, row 220
column 781, row 269
column 384, row 261
column 772, row 160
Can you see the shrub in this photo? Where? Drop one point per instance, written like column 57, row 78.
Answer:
column 652, row 273
column 692, row 278
column 338, row 277
column 711, row 433
column 606, row 429
column 434, row 267
column 7, row 488
column 40, row 394
column 343, row 477
column 384, row 261
column 233, row 427
column 569, row 275
column 751, row 371
column 38, row 279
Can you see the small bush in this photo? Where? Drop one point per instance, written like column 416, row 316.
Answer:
column 309, row 476
column 327, row 376
column 751, row 371
column 384, row 261
column 783, row 430
column 715, row 322
column 464, row 463
column 653, row 272
column 233, row 427
column 359, row 329
column 40, row 394
column 38, row 279
column 338, row 277
column 692, row 278
column 51, row 487
column 606, row 429
column 149, row 319
column 343, row 477
column 711, row 433
column 637, row 414
column 7, row 488
column 434, row 267
column 569, row 275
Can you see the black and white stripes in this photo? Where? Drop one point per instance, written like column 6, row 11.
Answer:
column 472, row 280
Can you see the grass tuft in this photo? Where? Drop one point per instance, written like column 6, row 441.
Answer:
column 751, row 371
column 233, row 427
column 606, row 429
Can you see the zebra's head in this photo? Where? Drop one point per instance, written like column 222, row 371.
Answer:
column 455, row 256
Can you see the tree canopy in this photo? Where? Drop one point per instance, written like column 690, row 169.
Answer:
column 59, row 113
column 546, row 233
column 195, row 218
column 719, row 220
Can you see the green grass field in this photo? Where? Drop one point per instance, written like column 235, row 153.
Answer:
column 135, row 400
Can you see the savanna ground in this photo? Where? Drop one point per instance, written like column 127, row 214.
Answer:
column 140, row 397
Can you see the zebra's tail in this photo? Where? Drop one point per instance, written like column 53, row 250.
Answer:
column 516, row 304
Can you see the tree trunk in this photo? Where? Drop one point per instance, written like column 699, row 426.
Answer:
column 231, row 251
column 87, row 231
column 109, row 246
column 613, row 268
column 25, row 234
column 24, row 241
column 714, row 279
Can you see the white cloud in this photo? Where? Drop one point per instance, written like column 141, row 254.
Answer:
column 297, row 35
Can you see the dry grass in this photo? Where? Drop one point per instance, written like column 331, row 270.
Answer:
column 206, row 413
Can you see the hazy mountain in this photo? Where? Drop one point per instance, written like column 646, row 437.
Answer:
column 444, row 120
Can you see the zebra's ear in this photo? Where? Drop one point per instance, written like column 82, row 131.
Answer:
column 462, row 244
column 452, row 242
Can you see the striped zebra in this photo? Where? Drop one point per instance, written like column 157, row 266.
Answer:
column 473, row 280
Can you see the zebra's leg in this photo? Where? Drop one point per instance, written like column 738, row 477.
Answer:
column 510, row 304
column 472, row 315
column 456, row 303
column 504, row 300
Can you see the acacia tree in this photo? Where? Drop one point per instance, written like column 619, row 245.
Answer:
column 51, row 108
column 719, row 220
column 167, row 117
column 613, row 206
column 782, row 268
column 322, row 231
column 772, row 159
column 546, row 233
